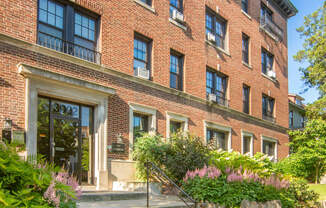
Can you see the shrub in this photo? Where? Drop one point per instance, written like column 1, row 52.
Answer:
column 23, row 184
column 259, row 163
column 182, row 152
column 230, row 187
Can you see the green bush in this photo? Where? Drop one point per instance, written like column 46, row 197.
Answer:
column 182, row 152
column 231, row 186
column 259, row 163
column 23, row 184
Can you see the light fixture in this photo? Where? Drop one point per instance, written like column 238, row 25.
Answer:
column 7, row 124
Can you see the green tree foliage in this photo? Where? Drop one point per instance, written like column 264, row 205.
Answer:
column 309, row 147
column 314, row 53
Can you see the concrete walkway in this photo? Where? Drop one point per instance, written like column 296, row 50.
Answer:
column 155, row 202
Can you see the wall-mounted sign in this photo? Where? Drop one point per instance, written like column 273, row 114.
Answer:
column 18, row 137
column 118, row 147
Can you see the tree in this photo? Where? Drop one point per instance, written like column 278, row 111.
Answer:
column 309, row 147
column 314, row 53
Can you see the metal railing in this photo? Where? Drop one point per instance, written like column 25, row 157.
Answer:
column 271, row 26
column 70, row 48
column 164, row 179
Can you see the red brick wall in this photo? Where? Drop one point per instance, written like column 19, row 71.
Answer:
column 119, row 21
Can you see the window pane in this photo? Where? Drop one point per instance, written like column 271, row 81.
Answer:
column 246, row 144
column 58, row 22
column 173, row 81
column 77, row 19
column 84, row 32
column 42, row 15
column 91, row 35
column 51, row 7
column 91, row 24
column 59, row 11
column 44, row 4
column 84, row 21
column 77, row 29
column 139, row 64
column 51, row 19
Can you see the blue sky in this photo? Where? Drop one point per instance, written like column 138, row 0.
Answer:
column 296, row 85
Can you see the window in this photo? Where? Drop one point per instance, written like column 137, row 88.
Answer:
column 77, row 36
column 217, row 139
column 141, row 53
column 176, row 71
column 291, row 118
column 216, row 26
column 176, row 5
column 175, row 122
column 140, row 124
column 265, row 13
column 216, row 84
column 246, row 145
column 246, row 98
column 269, row 147
column 175, row 127
column 298, row 101
column 302, row 121
column 245, row 48
column 268, row 108
column 244, row 5
column 148, row 2
column 267, row 60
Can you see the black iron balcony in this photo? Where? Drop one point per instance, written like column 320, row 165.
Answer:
column 271, row 27
column 268, row 116
column 70, row 48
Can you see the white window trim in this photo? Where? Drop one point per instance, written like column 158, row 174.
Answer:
column 270, row 139
column 176, row 117
column 247, row 134
column 145, row 110
column 219, row 127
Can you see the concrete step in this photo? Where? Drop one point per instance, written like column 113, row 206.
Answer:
column 111, row 196
column 137, row 203
column 127, row 200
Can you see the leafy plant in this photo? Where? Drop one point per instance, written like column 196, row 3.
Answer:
column 23, row 184
column 177, row 155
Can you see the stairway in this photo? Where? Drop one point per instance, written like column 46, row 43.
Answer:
column 127, row 200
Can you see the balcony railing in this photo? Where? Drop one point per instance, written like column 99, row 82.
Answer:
column 70, row 48
column 269, row 117
column 270, row 26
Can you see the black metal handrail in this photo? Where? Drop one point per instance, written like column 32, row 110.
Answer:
column 159, row 173
column 70, row 48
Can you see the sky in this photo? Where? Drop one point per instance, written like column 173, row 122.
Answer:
column 296, row 85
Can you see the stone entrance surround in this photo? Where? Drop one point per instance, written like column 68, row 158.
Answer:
column 42, row 82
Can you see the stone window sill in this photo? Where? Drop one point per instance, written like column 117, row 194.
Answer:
column 246, row 14
column 218, row 48
column 267, row 77
column 247, row 65
column 146, row 6
column 177, row 24
column 269, row 34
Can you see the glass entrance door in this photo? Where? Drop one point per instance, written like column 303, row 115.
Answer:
column 65, row 137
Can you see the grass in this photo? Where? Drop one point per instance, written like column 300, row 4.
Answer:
column 320, row 189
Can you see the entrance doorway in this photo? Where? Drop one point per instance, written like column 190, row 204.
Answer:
column 65, row 137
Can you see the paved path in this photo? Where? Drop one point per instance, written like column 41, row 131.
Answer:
column 137, row 203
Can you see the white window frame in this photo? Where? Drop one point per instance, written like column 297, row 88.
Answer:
column 219, row 127
column 145, row 110
column 247, row 134
column 170, row 116
column 270, row 139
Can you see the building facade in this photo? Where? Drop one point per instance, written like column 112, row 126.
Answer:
column 79, row 79
column 297, row 117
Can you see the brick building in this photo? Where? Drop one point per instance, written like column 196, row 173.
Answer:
column 297, row 112
column 80, row 78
